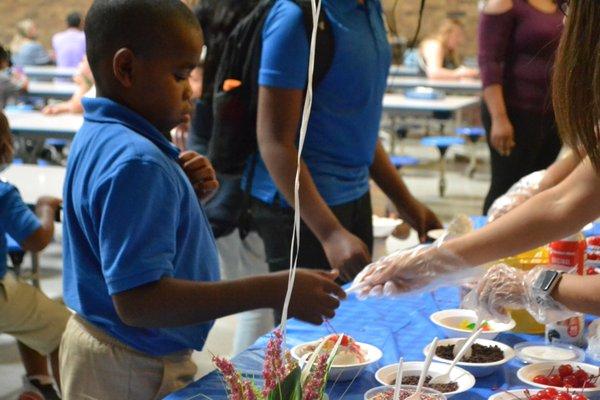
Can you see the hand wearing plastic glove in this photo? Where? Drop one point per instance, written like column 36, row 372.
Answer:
column 504, row 287
column 519, row 193
column 418, row 269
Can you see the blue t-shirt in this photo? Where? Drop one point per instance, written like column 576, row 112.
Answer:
column 347, row 104
column 31, row 53
column 16, row 219
column 131, row 217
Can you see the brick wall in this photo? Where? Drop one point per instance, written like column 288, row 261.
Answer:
column 50, row 15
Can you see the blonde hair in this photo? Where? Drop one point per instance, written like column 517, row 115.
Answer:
column 442, row 35
column 576, row 82
column 22, row 35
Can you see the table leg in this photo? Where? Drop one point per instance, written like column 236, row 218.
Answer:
column 35, row 269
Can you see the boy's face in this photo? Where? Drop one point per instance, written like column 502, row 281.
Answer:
column 160, row 90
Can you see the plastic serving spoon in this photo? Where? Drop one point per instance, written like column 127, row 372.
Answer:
column 445, row 378
column 417, row 394
column 399, row 379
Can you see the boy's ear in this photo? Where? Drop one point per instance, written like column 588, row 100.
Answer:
column 123, row 66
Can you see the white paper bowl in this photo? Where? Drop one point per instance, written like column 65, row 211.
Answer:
column 346, row 372
column 383, row 227
column 386, row 375
column 410, row 388
column 449, row 321
column 510, row 394
column 527, row 373
column 477, row 369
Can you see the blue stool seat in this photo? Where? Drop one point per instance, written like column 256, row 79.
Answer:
column 404, row 161
column 441, row 142
column 470, row 131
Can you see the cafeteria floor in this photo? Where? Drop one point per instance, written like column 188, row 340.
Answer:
column 464, row 195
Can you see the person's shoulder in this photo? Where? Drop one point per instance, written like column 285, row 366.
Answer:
column 7, row 192
column 495, row 7
column 286, row 10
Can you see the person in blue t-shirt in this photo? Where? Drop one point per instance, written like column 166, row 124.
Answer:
column 25, row 312
column 342, row 151
column 140, row 262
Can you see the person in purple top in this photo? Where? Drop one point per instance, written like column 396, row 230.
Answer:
column 517, row 43
column 69, row 45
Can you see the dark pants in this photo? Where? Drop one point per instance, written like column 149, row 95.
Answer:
column 274, row 224
column 537, row 146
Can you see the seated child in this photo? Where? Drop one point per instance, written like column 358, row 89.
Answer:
column 140, row 262
column 85, row 88
column 25, row 312
column 10, row 84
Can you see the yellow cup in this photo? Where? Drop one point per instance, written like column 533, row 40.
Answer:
column 525, row 323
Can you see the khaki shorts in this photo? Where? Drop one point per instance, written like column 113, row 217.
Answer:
column 31, row 317
column 95, row 365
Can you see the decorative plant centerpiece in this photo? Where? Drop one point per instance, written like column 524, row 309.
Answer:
column 283, row 378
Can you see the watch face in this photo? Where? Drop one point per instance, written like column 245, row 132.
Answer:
column 544, row 281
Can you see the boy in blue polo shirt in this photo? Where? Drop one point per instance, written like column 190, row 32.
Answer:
column 26, row 313
column 140, row 263
column 341, row 152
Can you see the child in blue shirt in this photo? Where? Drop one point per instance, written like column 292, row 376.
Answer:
column 140, row 263
column 25, row 312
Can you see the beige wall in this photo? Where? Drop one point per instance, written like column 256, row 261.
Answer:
column 50, row 15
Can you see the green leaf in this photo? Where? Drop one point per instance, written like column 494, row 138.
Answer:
column 289, row 389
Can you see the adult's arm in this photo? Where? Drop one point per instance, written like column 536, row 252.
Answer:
column 410, row 209
column 495, row 30
column 279, row 112
column 559, row 170
column 433, row 55
column 550, row 215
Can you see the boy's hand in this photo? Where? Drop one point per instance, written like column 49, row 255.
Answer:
column 346, row 254
column 200, row 173
column 49, row 201
column 316, row 296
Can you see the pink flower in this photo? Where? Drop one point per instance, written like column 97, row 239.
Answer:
column 274, row 370
column 249, row 391
column 316, row 380
column 232, row 378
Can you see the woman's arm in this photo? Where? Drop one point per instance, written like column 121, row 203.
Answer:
column 559, row 170
column 433, row 55
column 552, row 214
column 495, row 28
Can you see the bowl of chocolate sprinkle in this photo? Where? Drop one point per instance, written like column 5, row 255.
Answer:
column 487, row 356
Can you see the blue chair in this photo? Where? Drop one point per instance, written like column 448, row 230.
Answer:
column 403, row 161
column 473, row 134
column 442, row 143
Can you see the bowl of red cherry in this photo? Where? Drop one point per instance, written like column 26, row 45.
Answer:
column 538, row 394
column 575, row 377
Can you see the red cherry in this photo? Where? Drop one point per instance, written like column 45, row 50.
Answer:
column 563, row 396
column 555, row 380
column 570, row 380
column 550, row 392
column 541, row 380
column 591, row 271
column 565, row 370
column 588, row 384
column 581, row 376
column 579, row 396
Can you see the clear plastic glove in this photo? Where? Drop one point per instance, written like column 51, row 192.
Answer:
column 420, row 269
column 520, row 192
column 503, row 288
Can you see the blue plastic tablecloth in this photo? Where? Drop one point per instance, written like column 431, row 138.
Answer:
column 399, row 327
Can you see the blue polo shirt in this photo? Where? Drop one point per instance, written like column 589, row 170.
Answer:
column 16, row 219
column 131, row 217
column 347, row 104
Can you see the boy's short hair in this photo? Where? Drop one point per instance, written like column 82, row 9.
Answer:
column 143, row 26
column 74, row 20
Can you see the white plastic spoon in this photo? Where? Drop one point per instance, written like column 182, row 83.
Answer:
column 417, row 394
column 399, row 374
column 445, row 378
